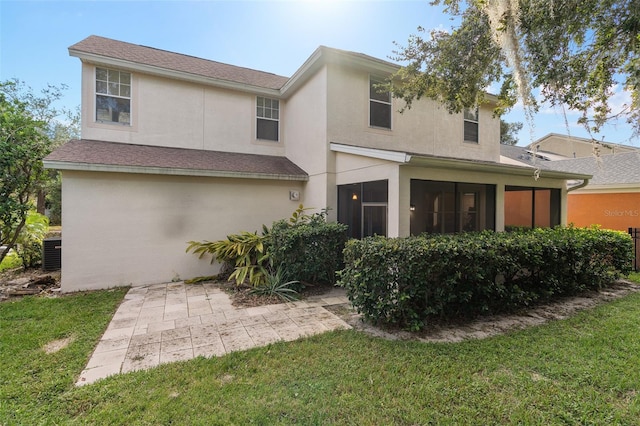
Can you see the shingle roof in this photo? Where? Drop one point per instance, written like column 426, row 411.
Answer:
column 135, row 53
column 92, row 152
column 623, row 168
column 520, row 154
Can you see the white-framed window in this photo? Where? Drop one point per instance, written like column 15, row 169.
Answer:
column 471, row 125
column 268, row 118
column 379, row 104
column 113, row 96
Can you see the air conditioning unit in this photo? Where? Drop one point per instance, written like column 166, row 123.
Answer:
column 52, row 254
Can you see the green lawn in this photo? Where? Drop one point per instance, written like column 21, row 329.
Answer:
column 584, row 370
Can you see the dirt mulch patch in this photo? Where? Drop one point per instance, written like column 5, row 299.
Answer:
column 241, row 296
column 484, row 327
column 15, row 283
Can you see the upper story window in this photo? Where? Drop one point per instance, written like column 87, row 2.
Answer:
column 268, row 118
column 471, row 125
column 379, row 105
column 113, row 96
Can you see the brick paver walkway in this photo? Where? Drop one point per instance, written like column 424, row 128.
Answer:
column 170, row 322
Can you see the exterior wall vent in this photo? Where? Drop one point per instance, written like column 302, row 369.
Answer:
column 52, row 254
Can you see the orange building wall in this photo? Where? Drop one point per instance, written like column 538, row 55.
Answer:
column 619, row 211
column 517, row 208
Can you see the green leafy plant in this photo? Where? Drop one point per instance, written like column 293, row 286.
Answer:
column 299, row 216
column 306, row 246
column 408, row 281
column 275, row 285
column 246, row 251
column 310, row 251
column 11, row 261
column 29, row 242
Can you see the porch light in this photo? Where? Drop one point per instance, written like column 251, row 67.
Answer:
column 354, row 196
column 412, row 207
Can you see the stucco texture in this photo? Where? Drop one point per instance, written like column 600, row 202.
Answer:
column 619, row 211
column 132, row 229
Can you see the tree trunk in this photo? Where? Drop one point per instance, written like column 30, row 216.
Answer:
column 40, row 206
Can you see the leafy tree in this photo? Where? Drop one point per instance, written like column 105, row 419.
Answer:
column 577, row 52
column 508, row 132
column 25, row 126
column 61, row 132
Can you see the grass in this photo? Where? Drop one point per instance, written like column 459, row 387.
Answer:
column 583, row 370
column 32, row 382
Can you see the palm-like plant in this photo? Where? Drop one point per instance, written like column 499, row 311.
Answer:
column 276, row 286
column 246, row 251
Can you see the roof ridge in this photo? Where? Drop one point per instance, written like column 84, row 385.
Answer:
column 198, row 57
column 143, row 55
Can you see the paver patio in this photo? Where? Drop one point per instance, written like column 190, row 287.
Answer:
column 163, row 323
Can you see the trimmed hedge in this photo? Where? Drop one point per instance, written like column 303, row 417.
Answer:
column 309, row 251
column 407, row 281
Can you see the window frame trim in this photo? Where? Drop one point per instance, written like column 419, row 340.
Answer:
column 96, row 94
column 377, row 80
column 268, row 119
column 476, row 122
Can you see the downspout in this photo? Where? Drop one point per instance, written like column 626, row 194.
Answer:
column 581, row 185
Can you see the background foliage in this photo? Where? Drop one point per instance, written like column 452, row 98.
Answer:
column 576, row 52
column 28, row 129
column 29, row 243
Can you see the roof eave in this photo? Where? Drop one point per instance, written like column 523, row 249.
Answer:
column 461, row 164
column 418, row 160
column 380, row 154
column 173, row 74
column 324, row 55
column 608, row 188
column 111, row 168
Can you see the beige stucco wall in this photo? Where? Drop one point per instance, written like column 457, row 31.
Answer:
column 180, row 114
column 132, row 229
column 307, row 144
column 426, row 128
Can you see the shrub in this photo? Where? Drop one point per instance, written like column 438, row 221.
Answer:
column 304, row 247
column 407, row 281
column 307, row 248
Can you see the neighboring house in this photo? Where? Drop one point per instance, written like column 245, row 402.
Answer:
column 177, row 148
column 575, row 147
column 610, row 199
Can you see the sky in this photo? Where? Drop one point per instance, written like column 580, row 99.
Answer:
column 268, row 35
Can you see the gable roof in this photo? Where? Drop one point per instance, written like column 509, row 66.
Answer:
column 606, row 148
column 612, row 169
column 92, row 155
column 95, row 48
column 129, row 56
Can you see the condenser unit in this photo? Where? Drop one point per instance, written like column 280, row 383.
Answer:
column 52, row 254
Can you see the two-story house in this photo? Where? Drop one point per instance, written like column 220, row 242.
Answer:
column 176, row 148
